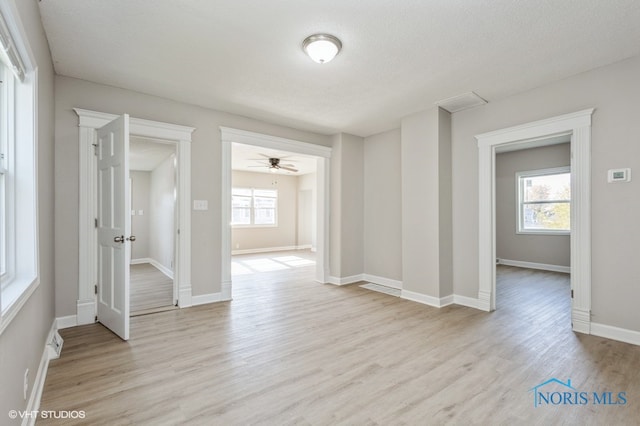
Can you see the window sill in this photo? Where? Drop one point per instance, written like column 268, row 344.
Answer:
column 253, row 226
column 14, row 296
column 545, row 232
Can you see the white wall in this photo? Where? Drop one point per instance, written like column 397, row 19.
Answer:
column 205, row 173
column 383, row 206
column 22, row 342
column 614, row 91
column 140, row 181
column 162, row 207
column 283, row 235
column 307, row 210
column 546, row 249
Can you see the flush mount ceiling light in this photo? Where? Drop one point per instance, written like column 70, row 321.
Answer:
column 321, row 47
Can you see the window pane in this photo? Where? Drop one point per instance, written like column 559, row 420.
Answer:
column 265, row 192
column 237, row 201
column 241, row 191
column 547, row 187
column 241, row 216
column 265, row 216
column 546, row 216
column 265, row 202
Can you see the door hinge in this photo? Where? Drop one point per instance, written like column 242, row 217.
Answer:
column 95, row 222
column 95, row 149
column 95, row 289
column 572, row 293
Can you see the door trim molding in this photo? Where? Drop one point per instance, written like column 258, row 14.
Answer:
column 578, row 125
column 88, row 122
column 228, row 136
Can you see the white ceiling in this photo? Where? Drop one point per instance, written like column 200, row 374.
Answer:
column 398, row 57
column 146, row 154
column 252, row 159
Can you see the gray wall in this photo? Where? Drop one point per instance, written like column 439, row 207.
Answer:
column 205, row 173
column 22, row 342
column 426, row 203
column 547, row 249
column 283, row 235
column 162, row 204
column 140, row 224
column 383, row 206
column 347, row 206
column 614, row 92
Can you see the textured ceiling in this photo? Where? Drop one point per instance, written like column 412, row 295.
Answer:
column 399, row 57
column 255, row 159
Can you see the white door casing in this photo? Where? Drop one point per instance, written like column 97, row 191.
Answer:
column 114, row 226
column 578, row 125
column 89, row 122
column 323, row 160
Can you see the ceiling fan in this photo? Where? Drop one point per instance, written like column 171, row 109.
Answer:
column 273, row 163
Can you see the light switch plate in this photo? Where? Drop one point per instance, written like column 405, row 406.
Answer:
column 140, row 212
column 200, row 204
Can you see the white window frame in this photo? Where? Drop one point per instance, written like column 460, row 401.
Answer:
column 520, row 203
column 20, row 231
column 252, row 208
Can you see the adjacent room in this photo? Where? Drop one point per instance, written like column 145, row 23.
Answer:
column 153, row 192
column 198, row 198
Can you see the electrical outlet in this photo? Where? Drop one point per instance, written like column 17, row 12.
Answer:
column 26, row 383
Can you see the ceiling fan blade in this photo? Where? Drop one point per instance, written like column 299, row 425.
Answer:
column 288, row 168
column 288, row 165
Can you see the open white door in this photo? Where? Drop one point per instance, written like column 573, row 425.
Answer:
column 114, row 226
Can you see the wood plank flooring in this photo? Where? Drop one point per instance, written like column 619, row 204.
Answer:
column 289, row 351
column 149, row 289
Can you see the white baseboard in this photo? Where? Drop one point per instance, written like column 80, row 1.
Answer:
column 225, row 295
column 263, row 250
column 185, row 297
column 616, row 333
column 38, row 385
column 533, row 265
column 160, row 267
column 465, row 301
column 140, row 261
column 387, row 282
column 304, row 247
column 86, row 310
column 426, row 299
column 66, row 322
column 346, row 280
column 204, row 299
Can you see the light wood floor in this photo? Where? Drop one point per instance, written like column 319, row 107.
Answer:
column 291, row 351
column 149, row 289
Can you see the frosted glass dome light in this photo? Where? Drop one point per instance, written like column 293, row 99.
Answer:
column 321, row 47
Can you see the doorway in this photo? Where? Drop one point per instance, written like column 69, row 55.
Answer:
column 322, row 156
column 180, row 137
column 533, row 204
column 152, row 175
column 578, row 127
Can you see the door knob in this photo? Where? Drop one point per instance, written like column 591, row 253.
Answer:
column 131, row 238
column 119, row 239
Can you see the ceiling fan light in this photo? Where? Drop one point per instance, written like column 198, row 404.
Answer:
column 273, row 169
column 321, row 48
